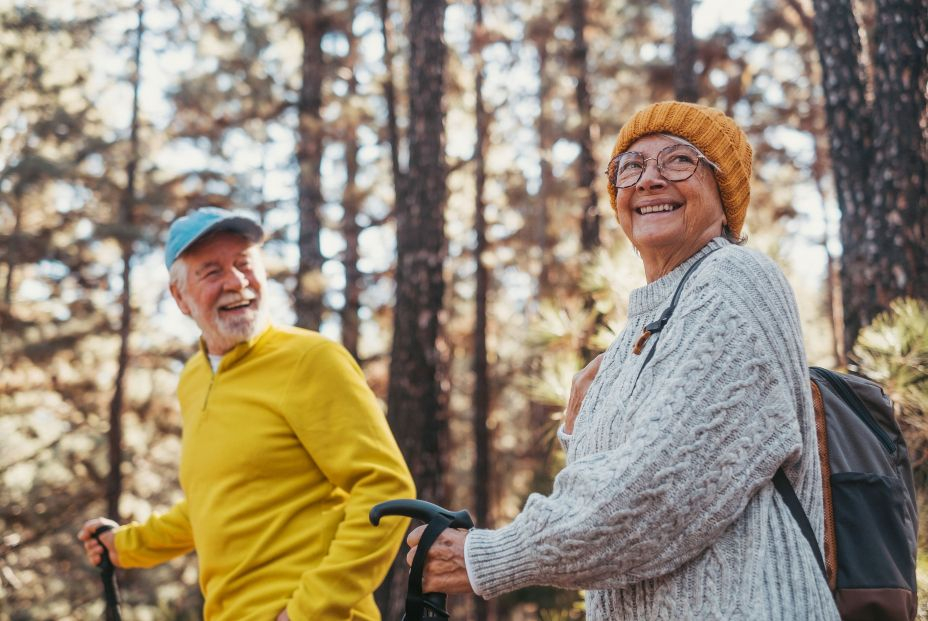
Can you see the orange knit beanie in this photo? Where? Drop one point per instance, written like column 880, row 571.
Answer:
column 712, row 132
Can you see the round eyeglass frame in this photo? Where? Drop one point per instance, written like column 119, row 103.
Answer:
column 612, row 172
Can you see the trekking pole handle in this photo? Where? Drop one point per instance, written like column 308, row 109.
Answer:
column 420, row 510
column 421, row 606
column 108, row 575
column 105, row 564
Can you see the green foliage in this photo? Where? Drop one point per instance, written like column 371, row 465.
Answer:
column 566, row 326
column 893, row 350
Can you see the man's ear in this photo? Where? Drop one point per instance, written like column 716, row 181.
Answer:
column 179, row 298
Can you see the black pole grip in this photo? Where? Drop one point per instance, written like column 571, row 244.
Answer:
column 420, row 510
column 108, row 576
column 419, row 605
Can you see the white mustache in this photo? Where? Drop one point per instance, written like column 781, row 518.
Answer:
column 248, row 295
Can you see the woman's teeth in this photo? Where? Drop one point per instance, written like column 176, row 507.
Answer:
column 654, row 208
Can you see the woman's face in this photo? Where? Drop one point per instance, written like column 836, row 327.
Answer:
column 663, row 236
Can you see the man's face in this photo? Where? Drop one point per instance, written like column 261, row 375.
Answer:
column 223, row 290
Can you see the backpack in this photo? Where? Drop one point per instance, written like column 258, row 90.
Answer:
column 871, row 521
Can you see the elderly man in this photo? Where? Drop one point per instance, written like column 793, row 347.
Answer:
column 284, row 450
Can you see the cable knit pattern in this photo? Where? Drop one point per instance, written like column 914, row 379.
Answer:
column 666, row 509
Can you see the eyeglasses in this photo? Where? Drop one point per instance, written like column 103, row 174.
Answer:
column 676, row 162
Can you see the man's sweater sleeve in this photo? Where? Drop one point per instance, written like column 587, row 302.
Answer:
column 159, row 539
column 716, row 419
column 337, row 418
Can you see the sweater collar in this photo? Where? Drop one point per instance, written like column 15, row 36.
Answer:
column 648, row 298
column 239, row 351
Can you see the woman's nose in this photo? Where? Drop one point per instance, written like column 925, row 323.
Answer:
column 651, row 176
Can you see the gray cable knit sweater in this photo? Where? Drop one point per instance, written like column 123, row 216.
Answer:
column 665, row 509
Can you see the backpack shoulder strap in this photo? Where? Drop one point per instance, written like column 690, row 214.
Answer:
column 830, row 542
column 785, row 488
column 655, row 327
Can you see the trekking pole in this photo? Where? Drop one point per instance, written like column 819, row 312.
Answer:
column 421, row 605
column 108, row 576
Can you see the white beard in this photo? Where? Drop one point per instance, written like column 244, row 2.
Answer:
column 223, row 333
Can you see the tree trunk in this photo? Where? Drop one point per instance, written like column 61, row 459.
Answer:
column 684, row 52
column 390, row 97
column 837, row 39
column 390, row 595
column 879, row 164
column 483, row 490
column 589, row 223
column 416, row 399
column 351, row 204
column 545, row 143
column 13, row 250
column 125, row 217
column 310, row 286
column 899, row 169
column 540, row 413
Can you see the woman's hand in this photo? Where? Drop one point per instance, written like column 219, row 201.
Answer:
column 92, row 548
column 445, row 571
column 578, row 388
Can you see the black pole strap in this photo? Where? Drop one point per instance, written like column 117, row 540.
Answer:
column 416, row 601
column 108, row 576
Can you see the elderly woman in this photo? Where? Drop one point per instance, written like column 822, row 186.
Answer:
column 666, row 509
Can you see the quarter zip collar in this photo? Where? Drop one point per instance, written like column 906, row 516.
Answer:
column 234, row 355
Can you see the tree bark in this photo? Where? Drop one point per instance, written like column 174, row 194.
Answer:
column 415, row 397
column 351, row 203
column 483, row 489
column 390, row 595
column 545, row 143
column 589, row 222
column 13, row 251
column 879, row 164
column 310, row 286
column 126, row 220
column 899, row 171
column 389, row 93
column 837, row 38
column 684, row 52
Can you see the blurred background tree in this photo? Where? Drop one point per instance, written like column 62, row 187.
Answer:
column 428, row 177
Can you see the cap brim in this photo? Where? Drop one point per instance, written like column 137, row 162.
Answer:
column 234, row 224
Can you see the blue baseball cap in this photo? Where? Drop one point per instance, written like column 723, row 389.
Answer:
column 189, row 228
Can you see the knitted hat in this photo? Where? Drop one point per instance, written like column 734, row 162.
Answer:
column 713, row 133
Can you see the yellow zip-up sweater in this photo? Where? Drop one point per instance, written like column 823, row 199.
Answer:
column 284, row 453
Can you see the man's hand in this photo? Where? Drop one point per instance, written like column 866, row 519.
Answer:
column 283, row 616
column 578, row 388
column 445, row 571
column 92, row 548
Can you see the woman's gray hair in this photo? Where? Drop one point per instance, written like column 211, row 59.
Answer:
column 728, row 234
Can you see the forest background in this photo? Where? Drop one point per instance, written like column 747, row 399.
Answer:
column 430, row 178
